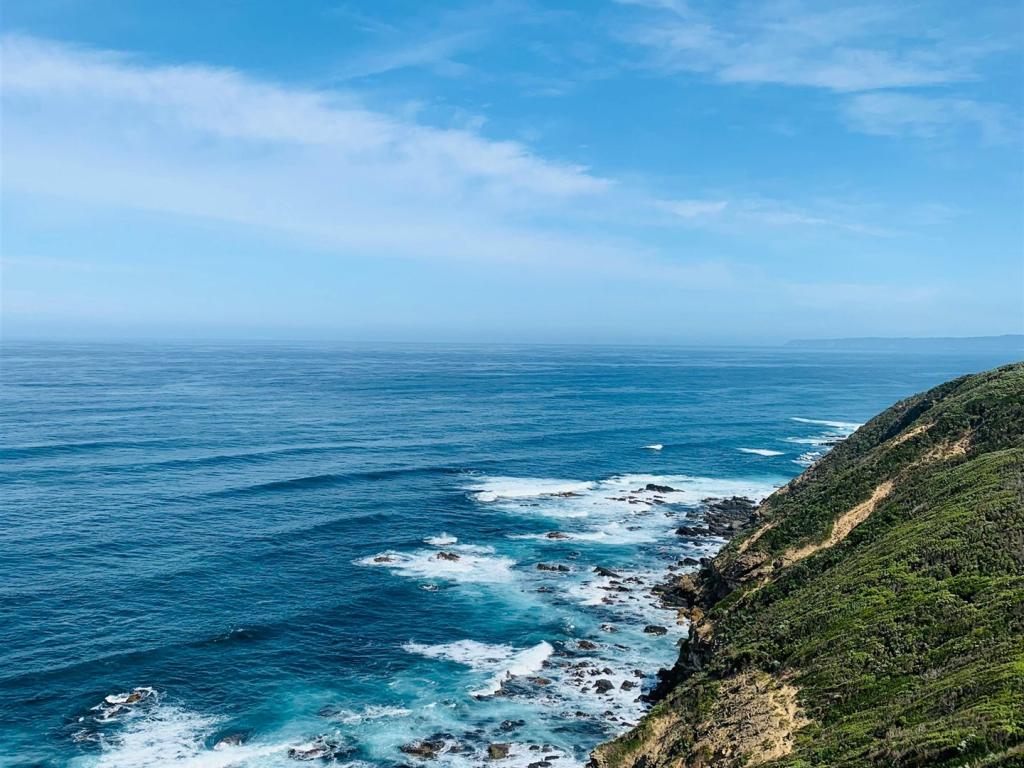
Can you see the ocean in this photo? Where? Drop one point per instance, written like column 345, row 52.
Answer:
column 261, row 554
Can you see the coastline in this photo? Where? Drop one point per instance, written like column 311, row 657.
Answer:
column 582, row 664
column 873, row 616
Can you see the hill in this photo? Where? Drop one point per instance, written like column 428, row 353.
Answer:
column 873, row 615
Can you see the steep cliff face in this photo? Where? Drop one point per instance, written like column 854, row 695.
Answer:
column 875, row 615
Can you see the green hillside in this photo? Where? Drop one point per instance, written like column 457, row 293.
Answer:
column 874, row 614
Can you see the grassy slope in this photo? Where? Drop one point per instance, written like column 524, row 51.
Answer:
column 906, row 639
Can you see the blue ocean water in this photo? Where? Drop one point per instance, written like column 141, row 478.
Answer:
column 315, row 549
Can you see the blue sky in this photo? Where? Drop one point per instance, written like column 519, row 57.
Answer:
column 645, row 171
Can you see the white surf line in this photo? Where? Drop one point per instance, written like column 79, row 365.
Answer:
column 828, row 423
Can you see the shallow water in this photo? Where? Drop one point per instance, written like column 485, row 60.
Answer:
column 253, row 532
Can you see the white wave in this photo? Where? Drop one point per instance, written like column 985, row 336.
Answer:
column 462, row 563
column 503, row 662
column 851, row 425
column 373, row 712
column 165, row 735
column 562, row 498
column 493, row 489
column 654, row 447
column 621, row 532
column 520, row 755
column 444, row 540
column 806, row 459
column 688, row 489
column 761, row 451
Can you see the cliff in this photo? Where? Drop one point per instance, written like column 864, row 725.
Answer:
column 874, row 614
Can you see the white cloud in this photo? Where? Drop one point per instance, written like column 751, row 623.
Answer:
column 904, row 114
column 836, row 47
column 101, row 127
column 224, row 104
column 694, row 209
column 739, row 214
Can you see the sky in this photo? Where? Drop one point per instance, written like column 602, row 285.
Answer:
column 631, row 171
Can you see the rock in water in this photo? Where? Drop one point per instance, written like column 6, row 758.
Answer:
column 497, row 751
column 426, row 748
column 659, row 488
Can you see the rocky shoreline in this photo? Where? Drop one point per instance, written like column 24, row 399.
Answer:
column 720, row 518
column 691, row 593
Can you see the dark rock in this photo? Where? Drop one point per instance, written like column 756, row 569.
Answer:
column 321, row 748
column 497, row 751
column 627, row 685
column 606, row 572
column 447, row 556
column 654, row 629
column 426, row 749
column 659, row 488
column 559, row 568
column 511, row 725
column 603, row 686
column 586, row 645
column 557, row 535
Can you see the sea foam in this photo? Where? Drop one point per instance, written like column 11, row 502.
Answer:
column 851, row 425
column 461, row 563
column 493, row 489
column 502, row 662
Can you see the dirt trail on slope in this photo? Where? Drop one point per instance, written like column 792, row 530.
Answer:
column 845, row 523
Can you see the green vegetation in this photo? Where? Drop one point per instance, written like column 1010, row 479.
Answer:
column 904, row 639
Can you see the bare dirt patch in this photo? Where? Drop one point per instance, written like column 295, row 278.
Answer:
column 910, row 434
column 753, row 722
column 845, row 523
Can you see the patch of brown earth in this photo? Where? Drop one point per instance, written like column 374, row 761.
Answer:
column 949, row 450
column 845, row 523
column 752, row 722
column 910, row 434
column 745, row 544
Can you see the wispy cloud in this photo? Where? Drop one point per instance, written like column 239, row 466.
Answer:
column 693, row 209
column 436, row 53
column 836, row 47
column 868, row 56
column 739, row 214
column 101, row 127
column 905, row 114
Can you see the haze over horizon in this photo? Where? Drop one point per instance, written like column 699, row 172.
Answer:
column 642, row 171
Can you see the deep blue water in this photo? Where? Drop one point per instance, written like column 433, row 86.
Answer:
column 243, row 529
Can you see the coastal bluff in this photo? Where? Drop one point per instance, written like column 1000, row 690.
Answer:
column 874, row 613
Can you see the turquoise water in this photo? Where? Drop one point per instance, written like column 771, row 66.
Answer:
column 252, row 535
